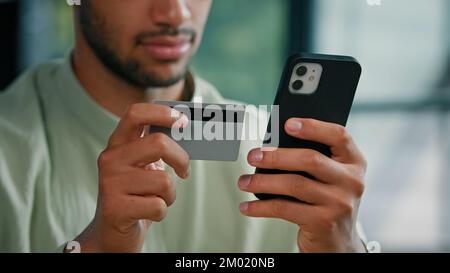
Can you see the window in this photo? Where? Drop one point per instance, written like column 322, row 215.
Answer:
column 401, row 44
column 243, row 51
column 46, row 31
column 399, row 119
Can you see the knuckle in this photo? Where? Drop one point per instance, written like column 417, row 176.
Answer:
column 104, row 159
column 358, row 186
column 161, row 141
column 327, row 222
column 343, row 135
column 356, row 183
column 295, row 186
column 132, row 114
column 257, row 181
column 159, row 210
column 343, row 207
column 309, row 124
column 314, row 159
column 172, row 198
column 271, row 157
column 166, row 182
column 278, row 208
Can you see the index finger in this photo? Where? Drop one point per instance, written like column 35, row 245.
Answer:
column 342, row 146
column 146, row 150
column 138, row 116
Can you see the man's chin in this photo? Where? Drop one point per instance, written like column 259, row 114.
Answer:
column 160, row 80
column 166, row 74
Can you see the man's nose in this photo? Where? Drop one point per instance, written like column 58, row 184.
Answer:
column 170, row 12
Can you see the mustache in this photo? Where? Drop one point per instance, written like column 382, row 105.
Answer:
column 167, row 31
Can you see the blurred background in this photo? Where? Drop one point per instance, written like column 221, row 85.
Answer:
column 401, row 118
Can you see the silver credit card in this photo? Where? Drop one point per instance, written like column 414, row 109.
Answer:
column 214, row 131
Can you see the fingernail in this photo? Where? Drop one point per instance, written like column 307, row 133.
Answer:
column 244, row 181
column 257, row 156
column 184, row 121
column 174, row 114
column 243, row 206
column 294, row 126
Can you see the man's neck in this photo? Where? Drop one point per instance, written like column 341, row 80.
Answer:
column 111, row 92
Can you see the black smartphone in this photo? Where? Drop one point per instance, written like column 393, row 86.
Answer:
column 313, row 86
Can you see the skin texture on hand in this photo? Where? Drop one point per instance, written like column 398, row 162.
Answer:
column 133, row 193
column 328, row 214
column 120, row 56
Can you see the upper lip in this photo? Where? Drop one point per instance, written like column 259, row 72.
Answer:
column 166, row 40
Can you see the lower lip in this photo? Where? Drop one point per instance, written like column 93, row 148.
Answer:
column 168, row 52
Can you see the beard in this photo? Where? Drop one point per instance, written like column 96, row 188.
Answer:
column 100, row 38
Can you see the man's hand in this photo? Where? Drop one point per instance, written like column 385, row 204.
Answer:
column 132, row 194
column 327, row 217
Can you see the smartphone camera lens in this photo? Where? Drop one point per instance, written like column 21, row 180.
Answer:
column 301, row 71
column 297, row 85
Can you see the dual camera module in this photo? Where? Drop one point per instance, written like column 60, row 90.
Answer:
column 301, row 71
column 305, row 78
